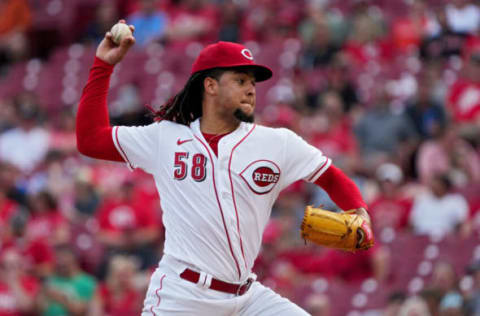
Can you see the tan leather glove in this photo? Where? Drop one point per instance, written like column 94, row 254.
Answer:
column 346, row 230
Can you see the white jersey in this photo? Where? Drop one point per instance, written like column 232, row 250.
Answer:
column 215, row 209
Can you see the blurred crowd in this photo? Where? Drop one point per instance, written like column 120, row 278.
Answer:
column 390, row 90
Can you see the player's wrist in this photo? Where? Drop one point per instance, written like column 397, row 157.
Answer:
column 362, row 212
column 100, row 62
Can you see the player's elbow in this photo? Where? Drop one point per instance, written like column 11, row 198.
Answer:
column 83, row 145
column 81, row 133
column 87, row 144
column 97, row 144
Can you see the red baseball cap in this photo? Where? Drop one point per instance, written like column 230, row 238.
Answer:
column 228, row 55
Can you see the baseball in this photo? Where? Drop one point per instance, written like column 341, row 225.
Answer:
column 120, row 31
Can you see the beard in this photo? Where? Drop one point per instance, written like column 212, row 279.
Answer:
column 243, row 117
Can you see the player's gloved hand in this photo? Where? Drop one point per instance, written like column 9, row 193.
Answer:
column 349, row 230
column 111, row 53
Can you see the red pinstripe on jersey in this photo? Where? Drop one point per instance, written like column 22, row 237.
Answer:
column 122, row 152
column 318, row 170
column 233, row 193
column 220, row 206
column 156, row 293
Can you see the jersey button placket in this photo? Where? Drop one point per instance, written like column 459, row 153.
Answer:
column 222, row 163
column 226, row 196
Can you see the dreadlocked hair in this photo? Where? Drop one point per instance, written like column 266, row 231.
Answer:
column 186, row 106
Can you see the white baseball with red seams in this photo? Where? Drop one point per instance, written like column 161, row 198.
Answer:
column 119, row 32
column 216, row 208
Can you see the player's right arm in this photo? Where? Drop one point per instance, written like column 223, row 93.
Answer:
column 93, row 130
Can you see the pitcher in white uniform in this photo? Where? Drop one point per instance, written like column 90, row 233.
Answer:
column 218, row 174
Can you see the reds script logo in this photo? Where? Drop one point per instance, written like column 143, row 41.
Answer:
column 261, row 176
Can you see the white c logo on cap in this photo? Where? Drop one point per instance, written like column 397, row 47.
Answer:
column 247, row 53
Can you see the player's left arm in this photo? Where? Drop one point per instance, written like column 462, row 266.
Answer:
column 338, row 230
column 304, row 161
column 343, row 191
column 343, row 230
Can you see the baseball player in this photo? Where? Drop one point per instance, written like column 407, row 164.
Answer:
column 218, row 174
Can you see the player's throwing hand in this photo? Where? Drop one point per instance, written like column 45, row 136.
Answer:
column 112, row 53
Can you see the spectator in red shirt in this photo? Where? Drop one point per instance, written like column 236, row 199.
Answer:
column 334, row 134
column 128, row 225
column 118, row 295
column 390, row 209
column 46, row 222
column 37, row 255
column 463, row 98
column 17, row 289
column 7, row 209
column 420, row 23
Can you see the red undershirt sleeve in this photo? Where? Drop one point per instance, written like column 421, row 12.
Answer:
column 341, row 189
column 93, row 130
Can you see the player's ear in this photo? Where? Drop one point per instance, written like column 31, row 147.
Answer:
column 210, row 85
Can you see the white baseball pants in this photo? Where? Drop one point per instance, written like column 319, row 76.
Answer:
column 169, row 294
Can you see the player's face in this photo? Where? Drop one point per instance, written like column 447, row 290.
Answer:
column 236, row 95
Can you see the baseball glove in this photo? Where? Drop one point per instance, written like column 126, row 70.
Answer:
column 347, row 230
